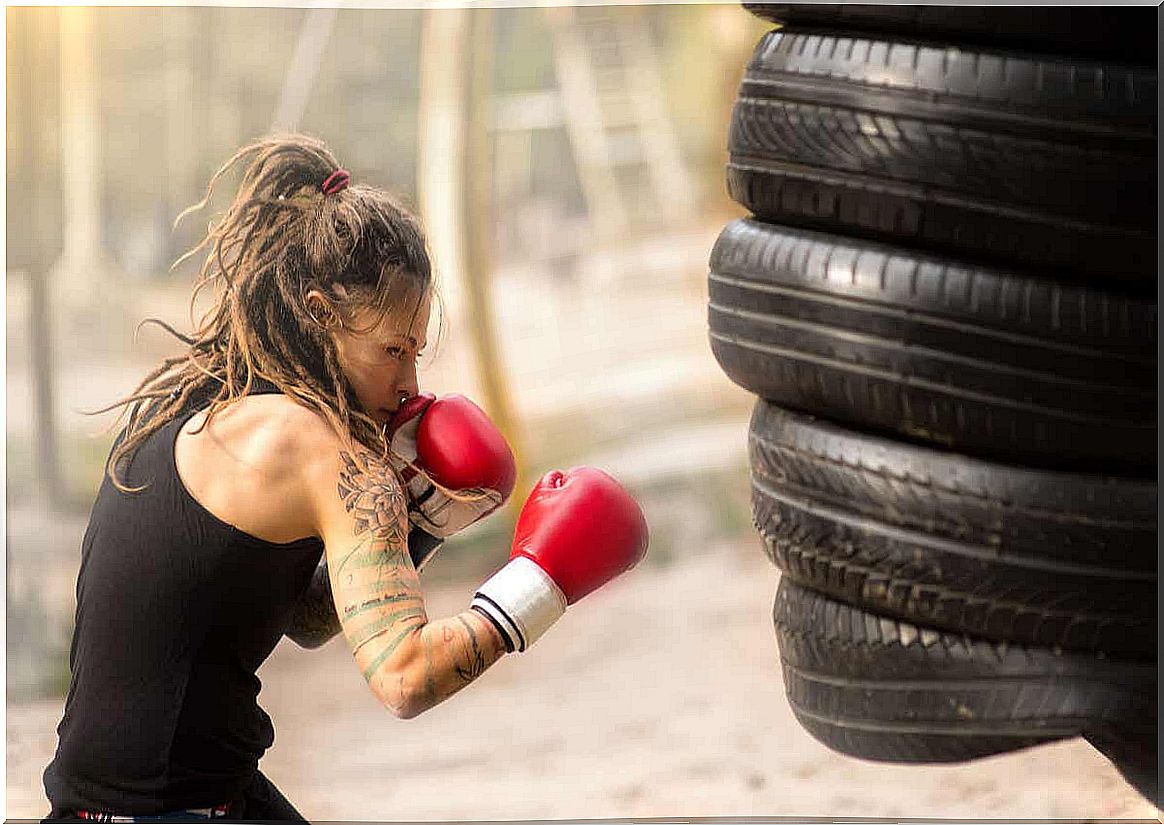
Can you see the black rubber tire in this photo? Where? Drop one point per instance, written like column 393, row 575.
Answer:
column 1120, row 33
column 1047, row 163
column 885, row 690
column 1001, row 552
column 976, row 360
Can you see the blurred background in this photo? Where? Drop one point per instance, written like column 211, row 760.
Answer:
column 567, row 164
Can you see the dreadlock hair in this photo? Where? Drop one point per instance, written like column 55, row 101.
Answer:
column 281, row 238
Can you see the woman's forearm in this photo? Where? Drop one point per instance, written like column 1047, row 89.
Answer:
column 449, row 655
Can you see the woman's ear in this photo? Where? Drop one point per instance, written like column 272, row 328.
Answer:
column 321, row 310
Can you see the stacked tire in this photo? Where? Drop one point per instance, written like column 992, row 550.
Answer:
column 945, row 301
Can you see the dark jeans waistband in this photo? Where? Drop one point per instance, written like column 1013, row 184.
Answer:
column 261, row 801
column 229, row 809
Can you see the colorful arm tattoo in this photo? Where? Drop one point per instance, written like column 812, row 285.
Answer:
column 381, row 608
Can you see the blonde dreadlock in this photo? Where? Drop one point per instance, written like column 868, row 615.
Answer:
column 282, row 237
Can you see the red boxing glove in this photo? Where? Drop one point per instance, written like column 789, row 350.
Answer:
column 577, row 531
column 454, row 462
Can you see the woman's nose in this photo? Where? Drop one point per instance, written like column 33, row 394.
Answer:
column 408, row 387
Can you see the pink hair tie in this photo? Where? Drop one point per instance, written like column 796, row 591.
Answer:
column 337, row 181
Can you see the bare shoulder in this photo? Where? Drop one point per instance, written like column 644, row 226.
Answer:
column 268, row 431
column 338, row 474
column 300, row 434
column 257, row 463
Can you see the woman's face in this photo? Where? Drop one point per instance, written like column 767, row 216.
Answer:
column 380, row 363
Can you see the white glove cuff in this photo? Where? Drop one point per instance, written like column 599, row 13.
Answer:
column 522, row 600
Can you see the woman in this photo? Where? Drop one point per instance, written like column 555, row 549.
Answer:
column 281, row 436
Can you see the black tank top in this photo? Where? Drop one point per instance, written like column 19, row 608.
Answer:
column 176, row 610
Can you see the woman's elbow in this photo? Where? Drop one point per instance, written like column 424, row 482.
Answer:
column 408, row 711
column 402, row 695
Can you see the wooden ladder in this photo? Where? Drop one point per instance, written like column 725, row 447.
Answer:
column 630, row 166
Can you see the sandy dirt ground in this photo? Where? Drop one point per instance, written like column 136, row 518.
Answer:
column 658, row 697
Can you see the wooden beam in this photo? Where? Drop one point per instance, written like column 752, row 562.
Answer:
column 480, row 227
column 454, row 187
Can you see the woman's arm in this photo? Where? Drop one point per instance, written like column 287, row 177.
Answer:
column 410, row 662
column 315, row 622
